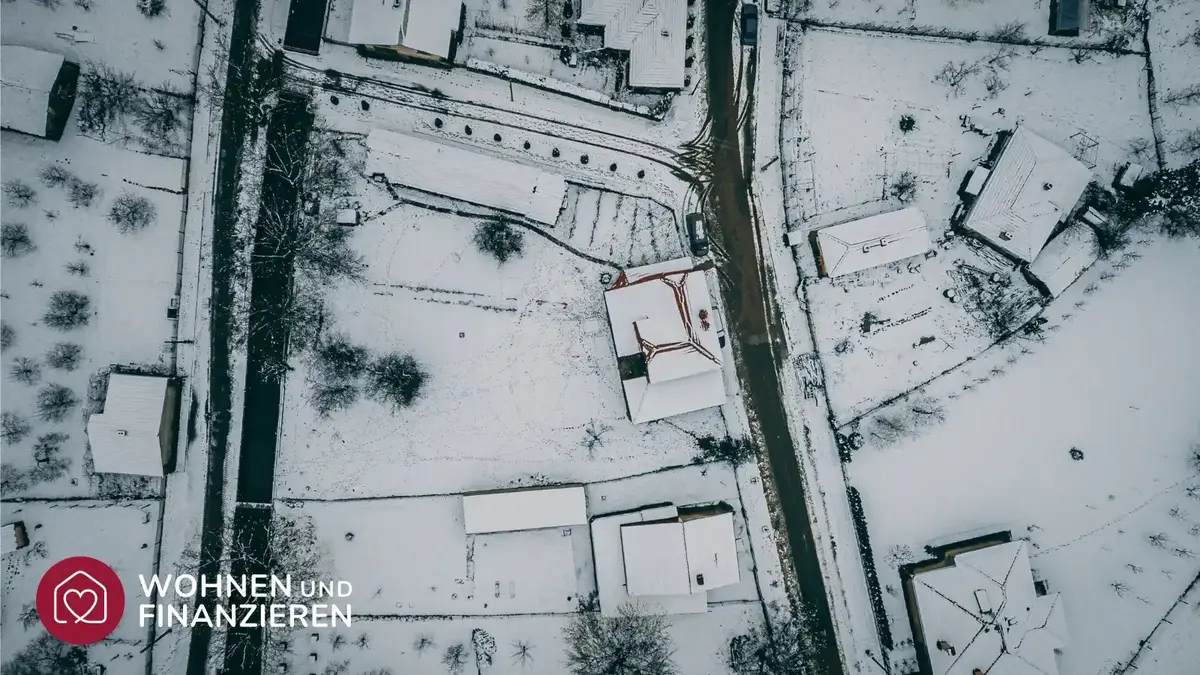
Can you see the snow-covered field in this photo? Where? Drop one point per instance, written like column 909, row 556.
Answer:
column 1120, row 383
column 122, row 535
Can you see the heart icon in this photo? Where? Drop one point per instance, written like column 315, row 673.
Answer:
column 81, row 598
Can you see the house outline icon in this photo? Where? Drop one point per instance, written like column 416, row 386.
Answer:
column 100, row 590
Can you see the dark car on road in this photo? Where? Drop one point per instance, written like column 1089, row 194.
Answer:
column 697, row 237
column 749, row 25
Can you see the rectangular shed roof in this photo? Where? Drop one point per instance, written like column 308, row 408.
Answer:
column 524, row 509
column 125, row 438
column 870, row 242
column 470, row 176
column 1065, row 258
column 28, row 77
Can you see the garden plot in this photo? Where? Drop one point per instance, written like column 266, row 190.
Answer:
column 435, row 568
column 883, row 331
column 629, row 231
column 858, row 86
column 1175, row 46
column 121, row 535
column 128, row 281
column 522, row 375
column 1120, row 384
column 989, row 19
column 524, row 645
column 160, row 50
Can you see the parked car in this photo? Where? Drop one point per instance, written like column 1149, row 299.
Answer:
column 749, row 25
column 697, row 235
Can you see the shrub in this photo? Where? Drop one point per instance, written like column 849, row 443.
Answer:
column 7, row 335
column 18, row 194
column 455, row 658
column 736, row 452
column 25, row 370
column 904, row 189
column 68, row 310
column 396, row 379
column 78, row 268
column 47, row 654
column 773, row 650
column 55, row 402
column 161, row 113
column 340, row 361
column 48, row 445
column 81, row 194
column 49, row 4
column 635, row 642
column 907, row 123
column 13, row 428
column 499, row 239
column 131, row 213
column 15, row 241
column 327, row 398
column 151, row 8
column 53, row 175
column 64, row 356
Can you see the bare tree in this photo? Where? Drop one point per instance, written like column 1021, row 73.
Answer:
column 25, row 370
column 68, row 310
column 13, row 428
column 522, row 653
column 15, row 241
column 106, row 97
column 1188, row 144
column 8, row 335
column 18, row 194
column 500, row 239
column 423, row 642
column 455, row 658
column 1184, row 97
column 546, row 13
column 64, row 356
column 53, row 175
column 396, row 379
column 1120, row 588
column 160, row 115
column 1159, row 540
column 47, row 655
column 955, row 74
column 776, row 649
column 634, row 642
column 904, row 188
column 81, row 193
column 54, row 402
column 1008, row 32
column 485, row 648
column 131, row 213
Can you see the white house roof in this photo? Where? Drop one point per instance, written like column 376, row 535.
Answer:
column 873, row 241
column 1033, row 186
column 524, row 509
column 610, row 567
column 28, row 76
column 985, row 613
column 664, row 313
column 655, row 558
column 652, row 31
column 125, row 437
column 423, row 25
column 430, row 23
column 1065, row 258
column 458, row 173
column 680, row 556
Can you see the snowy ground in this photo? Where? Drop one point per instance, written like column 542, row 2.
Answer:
column 1175, row 46
column 122, row 535
column 982, row 18
column 1126, row 398
column 130, row 280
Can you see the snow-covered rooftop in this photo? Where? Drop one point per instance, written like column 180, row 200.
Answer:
column 1033, row 186
column 652, row 31
column 524, row 509
column 873, row 241
column 423, row 25
column 663, row 312
column 656, row 555
column 458, row 173
column 982, row 614
column 1065, row 258
column 28, row 77
column 126, row 437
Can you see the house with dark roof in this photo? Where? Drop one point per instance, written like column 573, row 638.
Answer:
column 38, row 91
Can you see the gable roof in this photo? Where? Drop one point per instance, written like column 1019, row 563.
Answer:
column 873, row 241
column 423, row 25
column 28, row 76
column 985, row 613
column 680, row 556
column 533, row 508
column 125, row 438
column 652, row 31
column 664, row 313
column 1065, row 258
column 1032, row 188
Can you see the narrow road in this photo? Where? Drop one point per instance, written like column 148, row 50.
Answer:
column 747, row 297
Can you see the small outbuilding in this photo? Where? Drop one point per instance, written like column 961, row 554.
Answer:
column 14, row 537
column 1067, row 17
column 1064, row 259
column 534, row 508
column 38, row 91
column 870, row 242
column 654, row 33
column 137, row 431
column 422, row 29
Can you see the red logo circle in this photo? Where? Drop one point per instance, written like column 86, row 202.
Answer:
column 80, row 600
